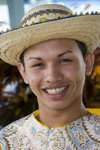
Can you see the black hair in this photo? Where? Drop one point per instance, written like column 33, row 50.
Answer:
column 81, row 46
column 22, row 58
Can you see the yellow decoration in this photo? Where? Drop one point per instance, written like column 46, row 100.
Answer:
column 92, row 12
column 96, row 12
column 75, row 14
column 26, row 25
column 87, row 13
column 62, row 16
column 12, row 28
column 56, row 18
column 69, row 15
column 33, row 22
column 2, row 31
column 29, row 19
column 48, row 20
column 54, row 13
column 25, row 21
column 7, row 29
column 81, row 13
column 42, row 19
column 18, row 26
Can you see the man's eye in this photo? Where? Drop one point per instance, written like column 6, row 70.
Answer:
column 38, row 65
column 65, row 60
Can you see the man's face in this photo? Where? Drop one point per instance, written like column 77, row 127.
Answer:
column 55, row 71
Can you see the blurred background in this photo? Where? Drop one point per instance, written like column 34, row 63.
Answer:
column 16, row 98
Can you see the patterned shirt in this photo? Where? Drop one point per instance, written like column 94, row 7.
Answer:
column 29, row 134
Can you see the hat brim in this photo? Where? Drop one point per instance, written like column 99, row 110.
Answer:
column 82, row 28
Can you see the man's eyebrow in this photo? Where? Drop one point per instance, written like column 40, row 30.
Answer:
column 59, row 55
column 38, row 58
column 64, row 53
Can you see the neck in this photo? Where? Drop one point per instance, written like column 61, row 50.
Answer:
column 53, row 118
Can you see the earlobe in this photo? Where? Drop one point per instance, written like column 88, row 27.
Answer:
column 22, row 72
column 89, row 61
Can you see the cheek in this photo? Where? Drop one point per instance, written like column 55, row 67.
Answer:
column 71, row 71
column 34, row 79
column 76, row 72
column 79, row 72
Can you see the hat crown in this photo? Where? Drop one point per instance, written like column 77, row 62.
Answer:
column 44, row 13
column 46, row 6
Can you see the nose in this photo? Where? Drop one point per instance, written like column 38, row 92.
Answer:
column 53, row 74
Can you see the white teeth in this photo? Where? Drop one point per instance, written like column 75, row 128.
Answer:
column 55, row 91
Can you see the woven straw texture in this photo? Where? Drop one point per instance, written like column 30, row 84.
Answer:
column 47, row 25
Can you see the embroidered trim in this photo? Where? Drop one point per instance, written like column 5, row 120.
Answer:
column 33, row 23
column 47, row 11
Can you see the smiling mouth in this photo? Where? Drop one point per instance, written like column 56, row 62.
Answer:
column 56, row 91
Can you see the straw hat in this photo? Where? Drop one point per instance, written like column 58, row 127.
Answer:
column 50, row 21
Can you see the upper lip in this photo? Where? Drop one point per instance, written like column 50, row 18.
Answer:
column 54, row 87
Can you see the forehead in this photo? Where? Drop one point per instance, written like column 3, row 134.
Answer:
column 53, row 46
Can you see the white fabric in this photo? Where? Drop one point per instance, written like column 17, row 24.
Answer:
column 29, row 134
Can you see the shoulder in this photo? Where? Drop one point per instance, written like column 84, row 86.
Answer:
column 13, row 129
column 91, row 119
column 85, row 132
column 91, row 124
column 14, row 126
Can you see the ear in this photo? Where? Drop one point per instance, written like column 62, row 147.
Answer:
column 89, row 61
column 22, row 72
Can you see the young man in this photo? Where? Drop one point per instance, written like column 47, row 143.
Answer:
column 53, row 50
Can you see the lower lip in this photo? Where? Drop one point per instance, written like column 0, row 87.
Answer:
column 58, row 95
